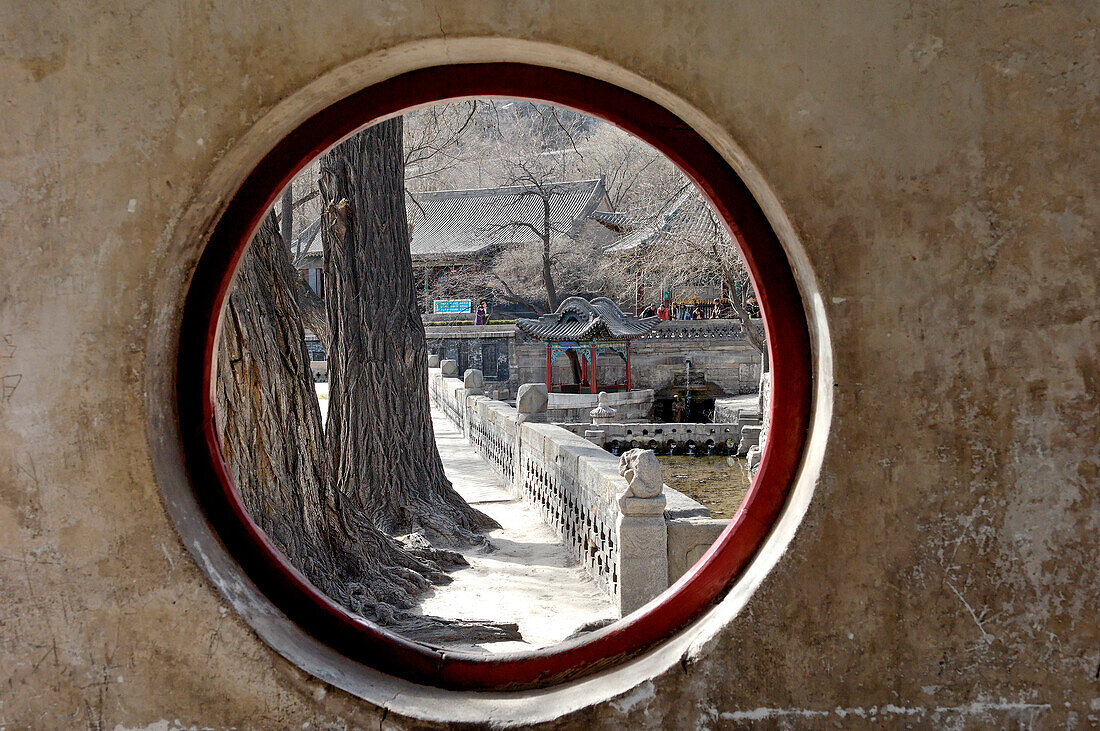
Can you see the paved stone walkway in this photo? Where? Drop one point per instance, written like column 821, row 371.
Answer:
column 529, row 579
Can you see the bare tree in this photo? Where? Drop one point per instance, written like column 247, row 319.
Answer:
column 684, row 245
column 286, row 215
column 547, row 237
column 638, row 178
column 539, row 255
column 435, row 140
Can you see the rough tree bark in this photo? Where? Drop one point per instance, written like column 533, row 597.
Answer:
column 270, row 431
column 385, row 461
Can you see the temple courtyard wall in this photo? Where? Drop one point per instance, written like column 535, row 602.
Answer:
column 932, row 170
column 720, row 360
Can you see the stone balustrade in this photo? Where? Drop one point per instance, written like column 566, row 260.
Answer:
column 665, row 438
column 700, row 330
column 612, row 523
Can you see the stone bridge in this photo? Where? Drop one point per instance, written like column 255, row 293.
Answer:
column 632, row 543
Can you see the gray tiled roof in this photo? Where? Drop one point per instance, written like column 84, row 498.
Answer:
column 579, row 319
column 610, row 218
column 687, row 216
column 465, row 222
column 457, row 223
column 309, row 241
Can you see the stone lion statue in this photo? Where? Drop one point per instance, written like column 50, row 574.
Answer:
column 642, row 472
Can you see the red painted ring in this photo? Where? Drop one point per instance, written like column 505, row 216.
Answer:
column 704, row 584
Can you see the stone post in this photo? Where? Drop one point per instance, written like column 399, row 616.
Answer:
column 756, row 452
column 641, row 531
column 596, row 436
column 473, row 382
column 433, row 360
column 449, row 368
column 531, row 401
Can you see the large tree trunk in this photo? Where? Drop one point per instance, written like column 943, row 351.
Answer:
column 268, row 418
column 269, row 425
column 384, row 456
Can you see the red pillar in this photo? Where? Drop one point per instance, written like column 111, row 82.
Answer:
column 592, row 373
column 548, row 366
column 628, row 366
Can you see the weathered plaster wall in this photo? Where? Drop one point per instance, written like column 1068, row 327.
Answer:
column 939, row 164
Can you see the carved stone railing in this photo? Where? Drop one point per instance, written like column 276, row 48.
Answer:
column 575, row 486
column 666, row 437
column 699, row 330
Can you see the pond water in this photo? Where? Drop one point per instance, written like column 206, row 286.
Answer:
column 720, row 483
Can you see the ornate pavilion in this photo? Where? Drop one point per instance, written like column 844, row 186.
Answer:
column 585, row 332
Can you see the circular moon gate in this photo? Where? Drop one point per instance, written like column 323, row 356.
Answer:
column 704, row 584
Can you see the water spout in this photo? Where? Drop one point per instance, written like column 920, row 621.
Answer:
column 687, row 389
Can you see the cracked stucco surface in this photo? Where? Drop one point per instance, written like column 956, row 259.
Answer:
column 940, row 166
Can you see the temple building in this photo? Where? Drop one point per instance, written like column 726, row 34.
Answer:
column 461, row 229
column 587, row 344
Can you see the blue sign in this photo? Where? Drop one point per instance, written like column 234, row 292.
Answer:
column 444, row 306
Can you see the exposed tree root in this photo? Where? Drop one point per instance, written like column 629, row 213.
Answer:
column 444, row 524
column 434, row 630
column 591, row 626
column 418, row 545
column 271, row 436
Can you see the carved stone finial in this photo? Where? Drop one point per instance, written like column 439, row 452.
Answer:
column 602, row 414
column 642, row 472
column 433, row 360
column 449, row 368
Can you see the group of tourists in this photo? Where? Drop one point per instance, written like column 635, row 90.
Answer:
column 691, row 310
column 719, row 309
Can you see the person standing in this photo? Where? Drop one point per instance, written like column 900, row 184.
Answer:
column 679, row 412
